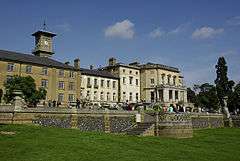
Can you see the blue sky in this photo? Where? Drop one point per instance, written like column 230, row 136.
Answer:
column 187, row 34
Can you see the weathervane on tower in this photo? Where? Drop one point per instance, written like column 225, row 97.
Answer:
column 44, row 25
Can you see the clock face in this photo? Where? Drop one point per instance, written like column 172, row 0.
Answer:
column 46, row 42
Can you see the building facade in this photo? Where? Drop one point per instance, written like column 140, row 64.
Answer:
column 161, row 83
column 99, row 87
column 61, row 81
column 117, row 82
column 129, row 80
column 148, row 83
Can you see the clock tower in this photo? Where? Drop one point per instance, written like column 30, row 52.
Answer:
column 43, row 43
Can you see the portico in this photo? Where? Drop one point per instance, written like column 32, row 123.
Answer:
column 164, row 84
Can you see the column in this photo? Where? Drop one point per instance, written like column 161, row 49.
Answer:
column 156, row 95
column 185, row 96
column 165, row 95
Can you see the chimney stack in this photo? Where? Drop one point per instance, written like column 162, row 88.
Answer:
column 77, row 63
column 91, row 67
column 67, row 63
column 112, row 61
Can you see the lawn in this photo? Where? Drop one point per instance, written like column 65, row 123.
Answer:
column 35, row 143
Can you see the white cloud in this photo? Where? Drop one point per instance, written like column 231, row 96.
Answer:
column 157, row 33
column 124, row 29
column 234, row 21
column 179, row 29
column 65, row 27
column 206, row 32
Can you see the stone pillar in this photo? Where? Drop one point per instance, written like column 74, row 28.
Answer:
column 156, row 95
column 138, row 118
column 185, row 96
column 165, row 95
column 106, row 121
column 18, row 101
column 74, row 121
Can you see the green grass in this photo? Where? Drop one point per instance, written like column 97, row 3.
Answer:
column 32, row 143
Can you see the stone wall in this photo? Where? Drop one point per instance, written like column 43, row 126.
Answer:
column 169, row 124
column 53, row 120
column 104, row 121
column 199, row 120
column 91, row 123
column 175, row 125
column 202, row 120
column 181, row 125
column 120, row 124
column 236, row 121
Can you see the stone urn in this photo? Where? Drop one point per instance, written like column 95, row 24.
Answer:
column 18, row 102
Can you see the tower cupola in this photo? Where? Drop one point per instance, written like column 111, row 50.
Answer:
column 43, row 42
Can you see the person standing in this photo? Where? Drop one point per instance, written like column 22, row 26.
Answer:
column 170, row 109
column 49, row 103
column 78, row 103
column 54, row 103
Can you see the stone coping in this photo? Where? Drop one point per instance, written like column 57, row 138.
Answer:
column 186, row 113
column 10, row 109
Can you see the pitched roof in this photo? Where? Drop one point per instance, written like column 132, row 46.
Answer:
column 43, row 32
column 120, row 65
column 160, row 66
column 32, row 59
column 99, row 73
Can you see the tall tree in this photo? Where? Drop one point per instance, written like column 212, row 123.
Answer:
column 28, row 87
column 223, row 85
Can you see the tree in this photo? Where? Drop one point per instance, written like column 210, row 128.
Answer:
column 207, row 97
column 1, row 94
column 27, row 85
column 223, row 86
column 191, row 96
column 234, row 99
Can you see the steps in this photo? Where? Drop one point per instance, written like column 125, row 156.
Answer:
column 142, row 129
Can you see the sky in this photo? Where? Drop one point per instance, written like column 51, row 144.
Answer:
column 186, row 34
